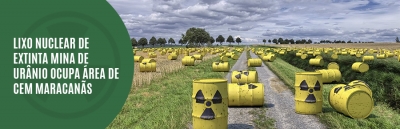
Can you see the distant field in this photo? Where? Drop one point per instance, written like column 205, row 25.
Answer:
column 389, row 46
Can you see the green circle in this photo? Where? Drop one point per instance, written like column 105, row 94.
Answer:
column 109, row 47
column 116, row 56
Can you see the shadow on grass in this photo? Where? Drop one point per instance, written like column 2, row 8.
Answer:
column 266, row 105
column 240, row 126
column 327, row 110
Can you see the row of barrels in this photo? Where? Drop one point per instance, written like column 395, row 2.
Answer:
column 353, row 99
column 212, row 97
column 365, row 54
column 146, row 66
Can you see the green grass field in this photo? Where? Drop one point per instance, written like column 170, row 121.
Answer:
column 166, row 103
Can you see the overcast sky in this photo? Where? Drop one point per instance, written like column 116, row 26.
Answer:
column 254, row 20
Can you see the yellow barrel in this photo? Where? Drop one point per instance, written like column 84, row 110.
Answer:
column 360, row 67
column 316, row 62
column 304, row 56
column 188, row 61
column 362, row 85
column 334, row 56
column 148, row 60
column 198, row 57
column 172, row 56
column 228, row 54
column 152, row 55
column 255, row 62
column 220, row 66
column 358, row 54
column 333, row 65
column 389, row 54
column 381, row 56
column 251, row 94
column 368, row 58
column 398, row 58
column 299, row 54
column 318, row 57
column 138, row 58
column 351, row 101
column 163, row 52
column 269, row 58
column 244, row 77
column 210, row 104
column 147, row 67
column 224, row 58
column 330, row 75
column 308, row 92
column 234, row 56
column 186, row 54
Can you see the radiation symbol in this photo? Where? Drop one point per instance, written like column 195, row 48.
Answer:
column 310, row 98
column 239, row 76
column 337, row 90
column 208, row 113
column 251, row 86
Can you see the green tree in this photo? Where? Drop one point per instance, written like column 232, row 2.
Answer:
column 269, row 40
column 212, row 40
column 275, row 41
column 196, row 36
column 264, row 41
column 309, row 41
column 160, row 41
column 303, row 41
column 291, row 41
column 220, row 39
column 143, row 42
column 238, row 40
column 286, row 41
column 230, row 39
column 181, row 42
column 171, row 41
column 298, row 41
column 153, row 41
column 134, row 42
column 164, row 41
column 280, row 40
column 397, row 40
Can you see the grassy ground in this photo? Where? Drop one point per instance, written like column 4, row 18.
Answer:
column 261, row 121
column 381, row 117
column 166, row 102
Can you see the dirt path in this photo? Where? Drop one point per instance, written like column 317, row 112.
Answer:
column 239, row 117
column 280, row 102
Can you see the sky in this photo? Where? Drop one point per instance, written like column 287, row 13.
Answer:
column 255, row 20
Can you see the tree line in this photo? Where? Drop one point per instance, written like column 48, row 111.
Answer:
column 304, row 41
column 197, row 37
column 194, row 37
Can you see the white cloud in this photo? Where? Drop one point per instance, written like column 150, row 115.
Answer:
column 255, row 20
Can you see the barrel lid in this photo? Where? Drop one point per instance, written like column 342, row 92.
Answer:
column 333, row 65
column 210, row 80
column 359, row 105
